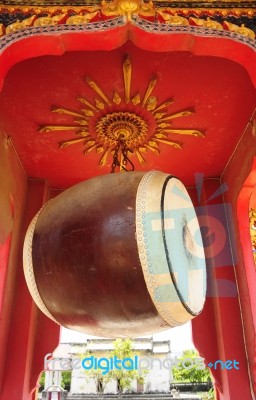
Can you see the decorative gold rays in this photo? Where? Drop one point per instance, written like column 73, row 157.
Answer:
column 101, row 134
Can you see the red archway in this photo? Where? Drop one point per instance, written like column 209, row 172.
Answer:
column 221, row 54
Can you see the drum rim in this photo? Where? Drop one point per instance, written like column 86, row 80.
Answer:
column 185, row 305
column 29, row 268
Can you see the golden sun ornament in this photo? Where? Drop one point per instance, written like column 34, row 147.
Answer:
column 100, row 124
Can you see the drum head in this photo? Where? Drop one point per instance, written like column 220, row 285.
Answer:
column 170, row 247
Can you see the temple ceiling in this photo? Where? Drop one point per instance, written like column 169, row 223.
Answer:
column 177, row 111
column 163, row 85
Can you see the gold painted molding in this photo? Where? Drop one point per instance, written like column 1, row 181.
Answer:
column 77, row 15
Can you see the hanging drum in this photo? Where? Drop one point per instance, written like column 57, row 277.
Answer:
column 118, row 255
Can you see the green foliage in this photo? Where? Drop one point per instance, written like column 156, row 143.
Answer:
column 191, row 373
column 209, row 396
column 124, row 349
column 42, row 379
column 65, row 378
column 124, row 377
column 99, row 379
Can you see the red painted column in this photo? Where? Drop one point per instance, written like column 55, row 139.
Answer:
column 31, row 334
column 13, row 189
column 217, row 332
column 26, row 335
column 241, row 179
column 226, row 328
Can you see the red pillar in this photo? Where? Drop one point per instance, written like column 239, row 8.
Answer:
column 226, row 328
column 239, row 174
column 12, row 199
column 26, row 335
column 217, row 332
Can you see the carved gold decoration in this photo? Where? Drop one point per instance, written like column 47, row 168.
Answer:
column 88, row 113
column 160, row 115
column 44, row 21
column 252, row 220
column 145, row 9
column 150, row 88
column 54, row 15
column 131, row 126
column 116, row 98
column 99, row 104
column 190, row 132
column 242, row 30
column 127, row 8
column 208, row 23
column 50, row 128
column 173, row 19
column 2, row 30
column 70, row 142
column 66, row 111
column 152, row 103
column 176, row 115
column 16, row 26
column 101, row 133
column 163, row 105
column 87, row 103
column 170, row 143
column 127, row 71
column 136, row 99
column 81, row 19
column 98, row 90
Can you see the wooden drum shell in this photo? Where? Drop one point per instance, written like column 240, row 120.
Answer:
column 83, row 262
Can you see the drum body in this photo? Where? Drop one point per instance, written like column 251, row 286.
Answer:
column 118, row 255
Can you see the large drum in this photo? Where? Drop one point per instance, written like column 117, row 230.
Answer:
column 118, row 255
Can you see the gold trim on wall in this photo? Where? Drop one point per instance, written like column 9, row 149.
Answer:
column 252, row 219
